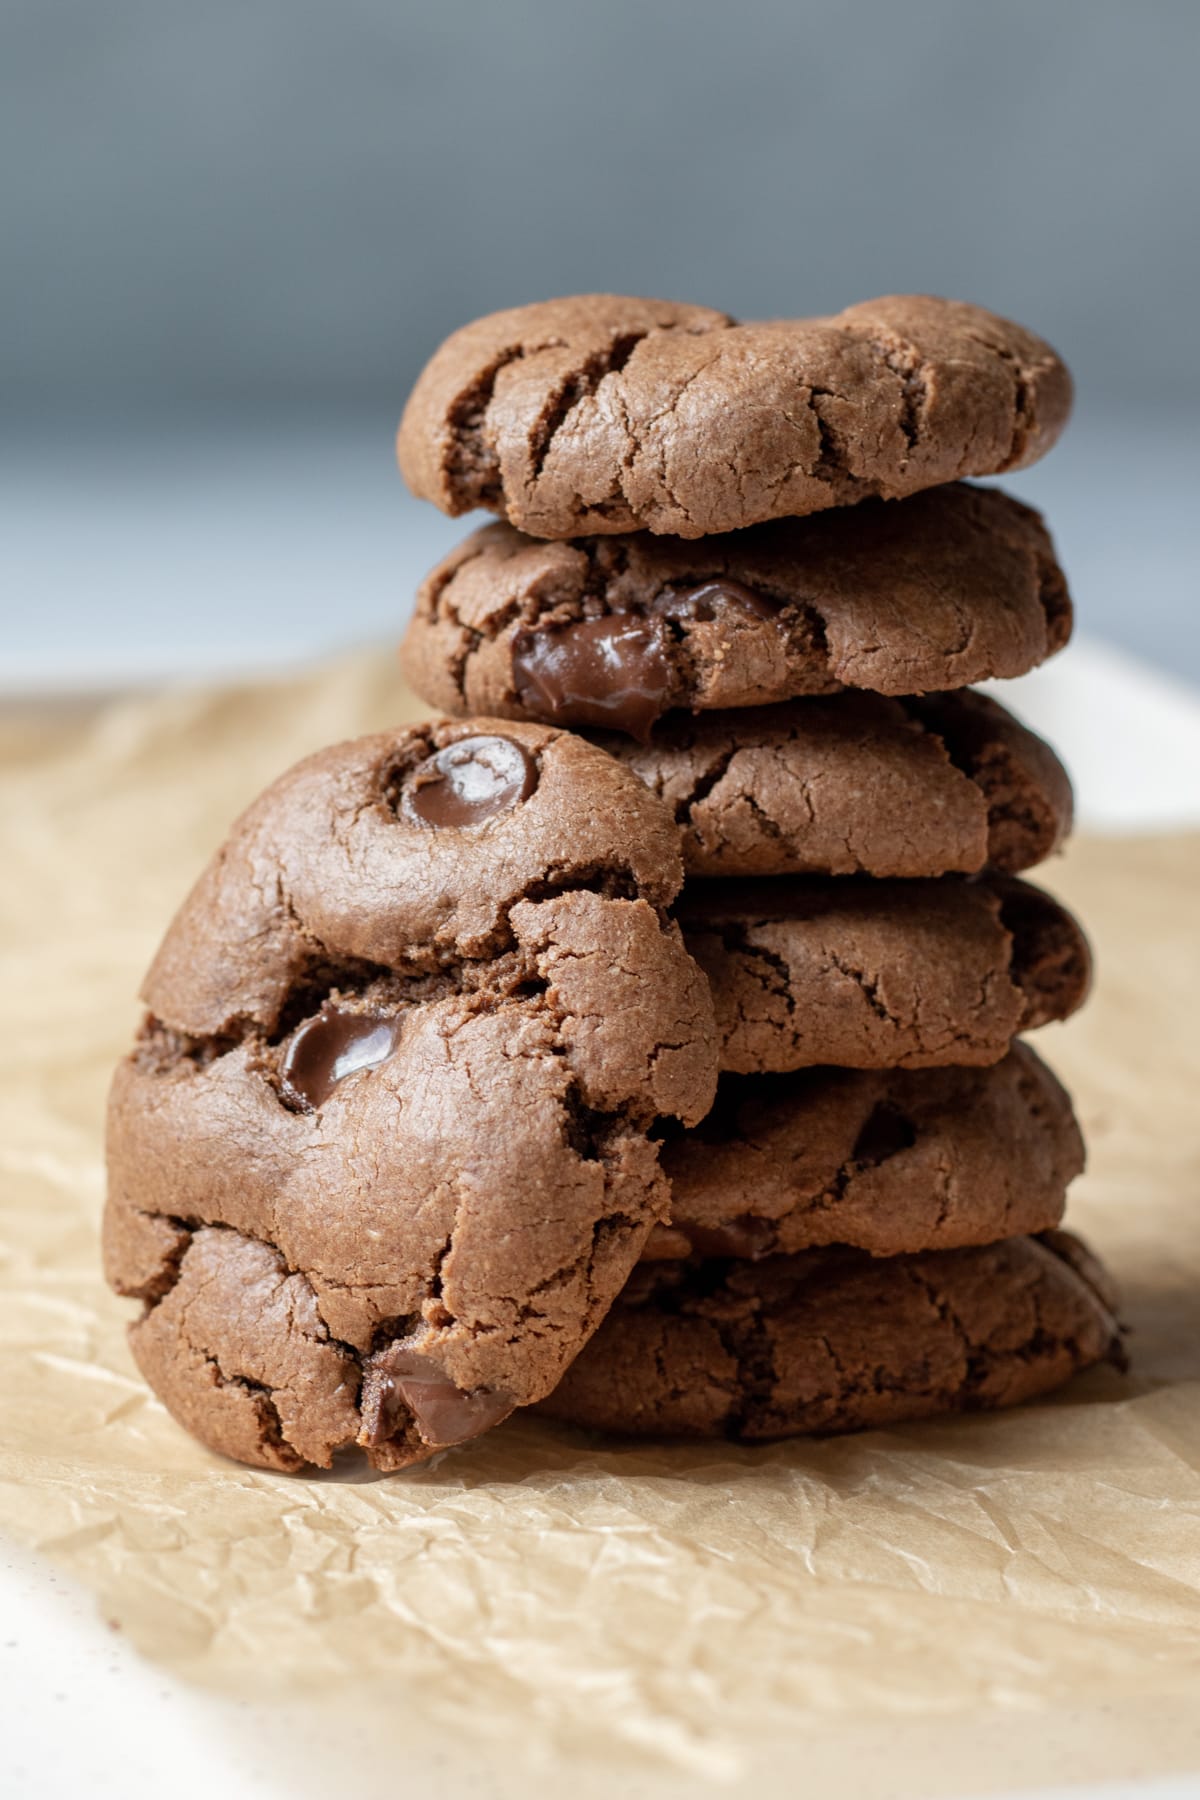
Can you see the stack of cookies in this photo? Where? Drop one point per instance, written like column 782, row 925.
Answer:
column 640, row 1040
column 742, row 560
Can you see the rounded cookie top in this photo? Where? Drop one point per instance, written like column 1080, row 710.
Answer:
column 867, row 974
column 389, row 1112
column 855, row 784
column 836, row 1341
column 892, row 1162
column 603, row 413
column 953, row 586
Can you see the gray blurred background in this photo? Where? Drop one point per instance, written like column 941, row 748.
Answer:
column 233, row 232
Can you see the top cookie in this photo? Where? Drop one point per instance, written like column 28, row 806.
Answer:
column 408, row 1034
column 602, row 413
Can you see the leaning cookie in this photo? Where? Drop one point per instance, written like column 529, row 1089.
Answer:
column 892, row 1162
column 379, row 1161
column 870, row 974
column 603, row 413
column 834, row 1341
column 856, row 785
column 952, row 587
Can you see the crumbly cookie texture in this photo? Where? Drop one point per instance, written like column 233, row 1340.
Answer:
column 603, row 413
column 835, row 1341
column 379, row 1163
column 950, row 587
column 856, row 785
column 871, row 974
column 892, row 1162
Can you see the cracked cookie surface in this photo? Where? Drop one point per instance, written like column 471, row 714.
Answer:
column 379, row 1161
column 953, row 586
column 891, row 1162
column 856, row 784
column 834, row 1341
column 604, row 413
column 869, row 974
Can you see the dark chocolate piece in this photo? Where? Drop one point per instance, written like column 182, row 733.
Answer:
column 444, row 1414
column 609, row 671
column 330, row 1046
column 469, row 782
column 614, row 670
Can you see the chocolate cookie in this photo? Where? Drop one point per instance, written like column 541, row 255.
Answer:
column 856, row 784
column 881, row 974
column 891, row 1162
column 951, row 587
column 379, row 1161
column 603, row 413
column 836, row 1341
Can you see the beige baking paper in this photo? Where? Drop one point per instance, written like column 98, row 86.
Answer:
column 951, row 1608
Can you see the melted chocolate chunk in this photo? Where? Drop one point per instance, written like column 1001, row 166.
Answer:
column 330, row 1046
column 613, row 671
column 444, row 1414
column 710, row 599
column 468, row 783
column 610, row 671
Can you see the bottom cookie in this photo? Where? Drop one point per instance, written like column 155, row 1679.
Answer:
column 834, row 1341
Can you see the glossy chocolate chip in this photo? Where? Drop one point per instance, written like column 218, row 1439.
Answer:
column 444, row 1414
column 328, row 1047
column 469, row 782
column 610, row 671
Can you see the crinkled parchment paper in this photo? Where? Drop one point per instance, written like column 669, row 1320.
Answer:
column 953, row 1607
